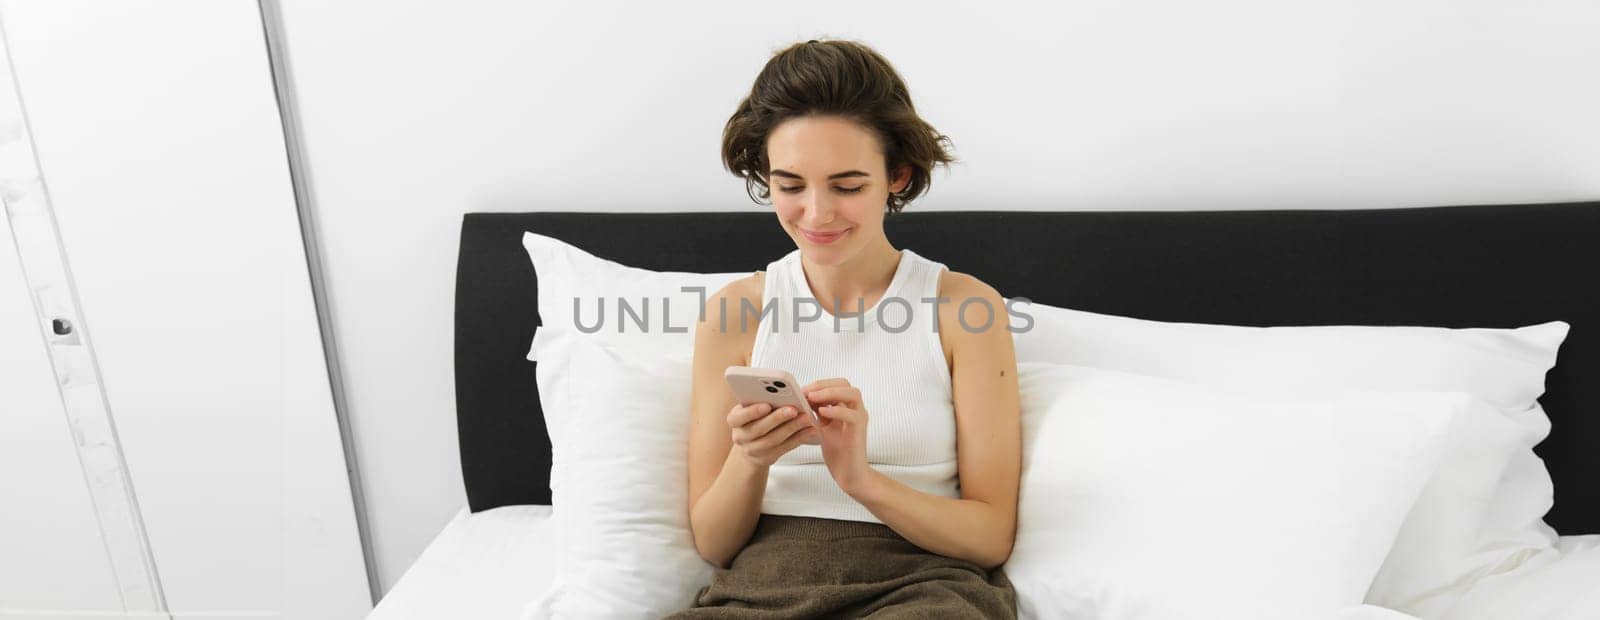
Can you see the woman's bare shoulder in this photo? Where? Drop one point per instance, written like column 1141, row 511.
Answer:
column 970, row 308
column 747, row 288
column 952, row 282
column 732, row 314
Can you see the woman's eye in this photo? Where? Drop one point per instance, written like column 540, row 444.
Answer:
column 842, row 190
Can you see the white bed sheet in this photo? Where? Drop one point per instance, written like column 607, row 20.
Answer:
column 484, row 565
column 488, row 565
column 1550, row 586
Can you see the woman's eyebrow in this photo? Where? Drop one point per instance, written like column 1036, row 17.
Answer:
column 838, row 175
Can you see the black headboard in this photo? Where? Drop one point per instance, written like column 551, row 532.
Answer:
column 1461, row 266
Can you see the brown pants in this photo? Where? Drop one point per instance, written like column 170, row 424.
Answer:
column 810, row 567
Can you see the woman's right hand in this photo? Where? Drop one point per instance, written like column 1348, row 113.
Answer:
column 763, row 435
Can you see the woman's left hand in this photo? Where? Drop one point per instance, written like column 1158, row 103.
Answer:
column 843, row 430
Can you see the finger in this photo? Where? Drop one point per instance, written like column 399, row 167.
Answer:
column 797, row 439
column 766, row 423
column 755, row 428
column 744, row 414
column 822, row 383
column 778, row 436
column 796, row 425
column 837, row 394
column 839, row 412
column 783, row 447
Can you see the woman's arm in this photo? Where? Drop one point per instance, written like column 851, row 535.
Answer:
column 982, row 525
column 725, row 489
column 724, row 517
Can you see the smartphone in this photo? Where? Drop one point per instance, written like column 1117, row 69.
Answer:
column 772, row 386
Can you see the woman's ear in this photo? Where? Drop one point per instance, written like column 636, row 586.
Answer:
column 902, row 179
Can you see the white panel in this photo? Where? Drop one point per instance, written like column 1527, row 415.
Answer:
column 159, row 137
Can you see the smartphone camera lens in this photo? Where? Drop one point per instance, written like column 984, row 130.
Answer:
column 772, row 389
column 779, row 384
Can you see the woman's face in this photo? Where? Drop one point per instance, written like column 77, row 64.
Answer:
column 829, row 186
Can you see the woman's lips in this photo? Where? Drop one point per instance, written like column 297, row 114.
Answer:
column 823, row 239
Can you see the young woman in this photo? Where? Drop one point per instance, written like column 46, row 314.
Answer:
column 909, row 509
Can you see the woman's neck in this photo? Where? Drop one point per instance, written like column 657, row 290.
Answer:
column 865, row 275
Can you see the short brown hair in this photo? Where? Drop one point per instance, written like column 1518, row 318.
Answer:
column 833, row 78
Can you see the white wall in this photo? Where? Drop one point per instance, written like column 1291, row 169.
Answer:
column 414, row 112
column 157, row 133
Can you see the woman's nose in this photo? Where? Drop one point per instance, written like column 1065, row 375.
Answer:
column 818, row 210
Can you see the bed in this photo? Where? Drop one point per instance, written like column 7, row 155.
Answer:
column 1500, row 265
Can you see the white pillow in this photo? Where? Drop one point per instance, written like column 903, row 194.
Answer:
column 1503, row 366
column 1481, row 514
column 1150, row 498
column 566, row 273
column 601, row 287
column 619, row 483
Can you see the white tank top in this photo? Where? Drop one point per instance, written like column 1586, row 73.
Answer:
column 892, row 353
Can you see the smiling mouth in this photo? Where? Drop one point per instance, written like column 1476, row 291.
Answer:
column 823, row 237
